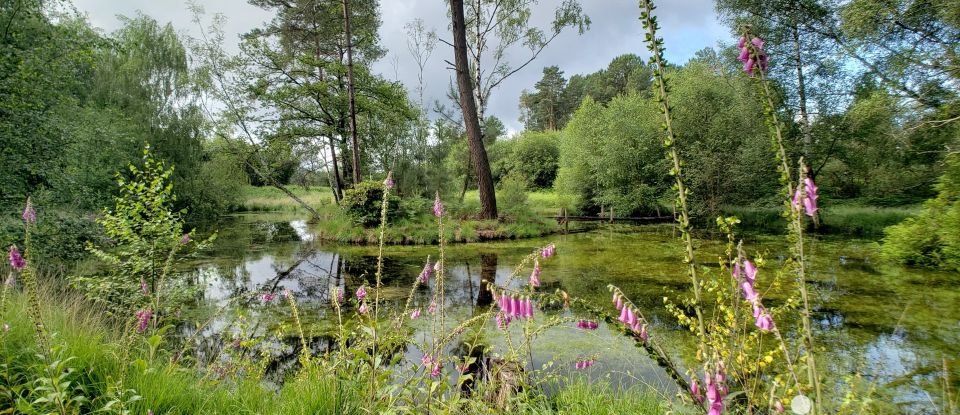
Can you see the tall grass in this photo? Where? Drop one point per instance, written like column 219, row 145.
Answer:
column 102, row 357
column 841, row 220
column 258, row 199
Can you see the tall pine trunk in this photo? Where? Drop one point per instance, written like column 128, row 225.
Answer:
column 478, row 154
column 350, row 91
column 337, row 183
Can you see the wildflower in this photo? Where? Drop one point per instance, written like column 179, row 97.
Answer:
column 695, row 391
column 535, row 275
column 363, row 308
column 748, row 292
column 716, row 408
column 426, row 273
column 340, row 294
column 809, row 200
column 548, row 251
column 437, row 206
column 715, row 394
column 185, row 239
column 750, row 60
column 287, row 294
column 617, row 301
column 629, row 317
column 778, row 407
column 583, row 364
column 503, row 320
column 388, row 182
column 764, row 321
column 415, row 314
column 29, row 214
column 267, row 297
column 587, row 325
column 433, row 307
column 515, row 307
column 16, row 259
column 426, row 360
column 435, row 372
column 749, row 271
column 143, row 319
column 644, row 335
column 361, row 293
column 143, row 287
column 529, row 308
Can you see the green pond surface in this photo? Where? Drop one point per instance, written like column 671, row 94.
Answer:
column 895, row 326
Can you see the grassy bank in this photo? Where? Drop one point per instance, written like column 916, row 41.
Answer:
column 416, row 225
column 843, row 220
column 100, row 366
column 258, row 199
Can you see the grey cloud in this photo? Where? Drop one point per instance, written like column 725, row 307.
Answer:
column 688, row 25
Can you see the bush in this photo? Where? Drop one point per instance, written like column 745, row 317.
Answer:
column 933, row 237
column 147, row 239
column 513, row 195
column 534, row 157
column 363, row 203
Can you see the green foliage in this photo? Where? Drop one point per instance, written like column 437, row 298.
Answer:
column 932, row 238
column 512, row 195
column 534, row 158
column 364, row 202
column 611, row 156
column 146, row 237
column 546, row 109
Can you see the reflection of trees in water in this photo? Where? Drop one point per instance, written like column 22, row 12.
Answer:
column 488, row 275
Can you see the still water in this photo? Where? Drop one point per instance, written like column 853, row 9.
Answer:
column 895, row 326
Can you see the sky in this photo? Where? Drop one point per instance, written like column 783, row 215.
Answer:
column 688, row 26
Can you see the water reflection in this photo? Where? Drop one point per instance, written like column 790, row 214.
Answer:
column 889, row 324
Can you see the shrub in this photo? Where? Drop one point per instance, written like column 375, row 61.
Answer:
column 363, row 203
column 147, row 238
column 933, row 237
column 513, row 195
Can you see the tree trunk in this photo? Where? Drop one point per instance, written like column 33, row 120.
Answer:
column 478, row 154
column 350, row 91
column 338, row 188
column 488, row 275
column 806, row 134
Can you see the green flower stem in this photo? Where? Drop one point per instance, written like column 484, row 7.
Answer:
column 655, row 45
column 794, row 216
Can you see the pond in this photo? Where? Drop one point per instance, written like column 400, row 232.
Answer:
column 897, row 327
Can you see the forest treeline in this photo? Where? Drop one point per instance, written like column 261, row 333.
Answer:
column 867, row 93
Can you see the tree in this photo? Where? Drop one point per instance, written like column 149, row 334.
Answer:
column 301, row 66
column 355, row 149
column 217, row 73
column 545, row 108
column 495, row 26
column 793, row 33
column 478, row 154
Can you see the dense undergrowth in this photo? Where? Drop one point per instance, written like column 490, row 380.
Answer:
column 100, row 365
